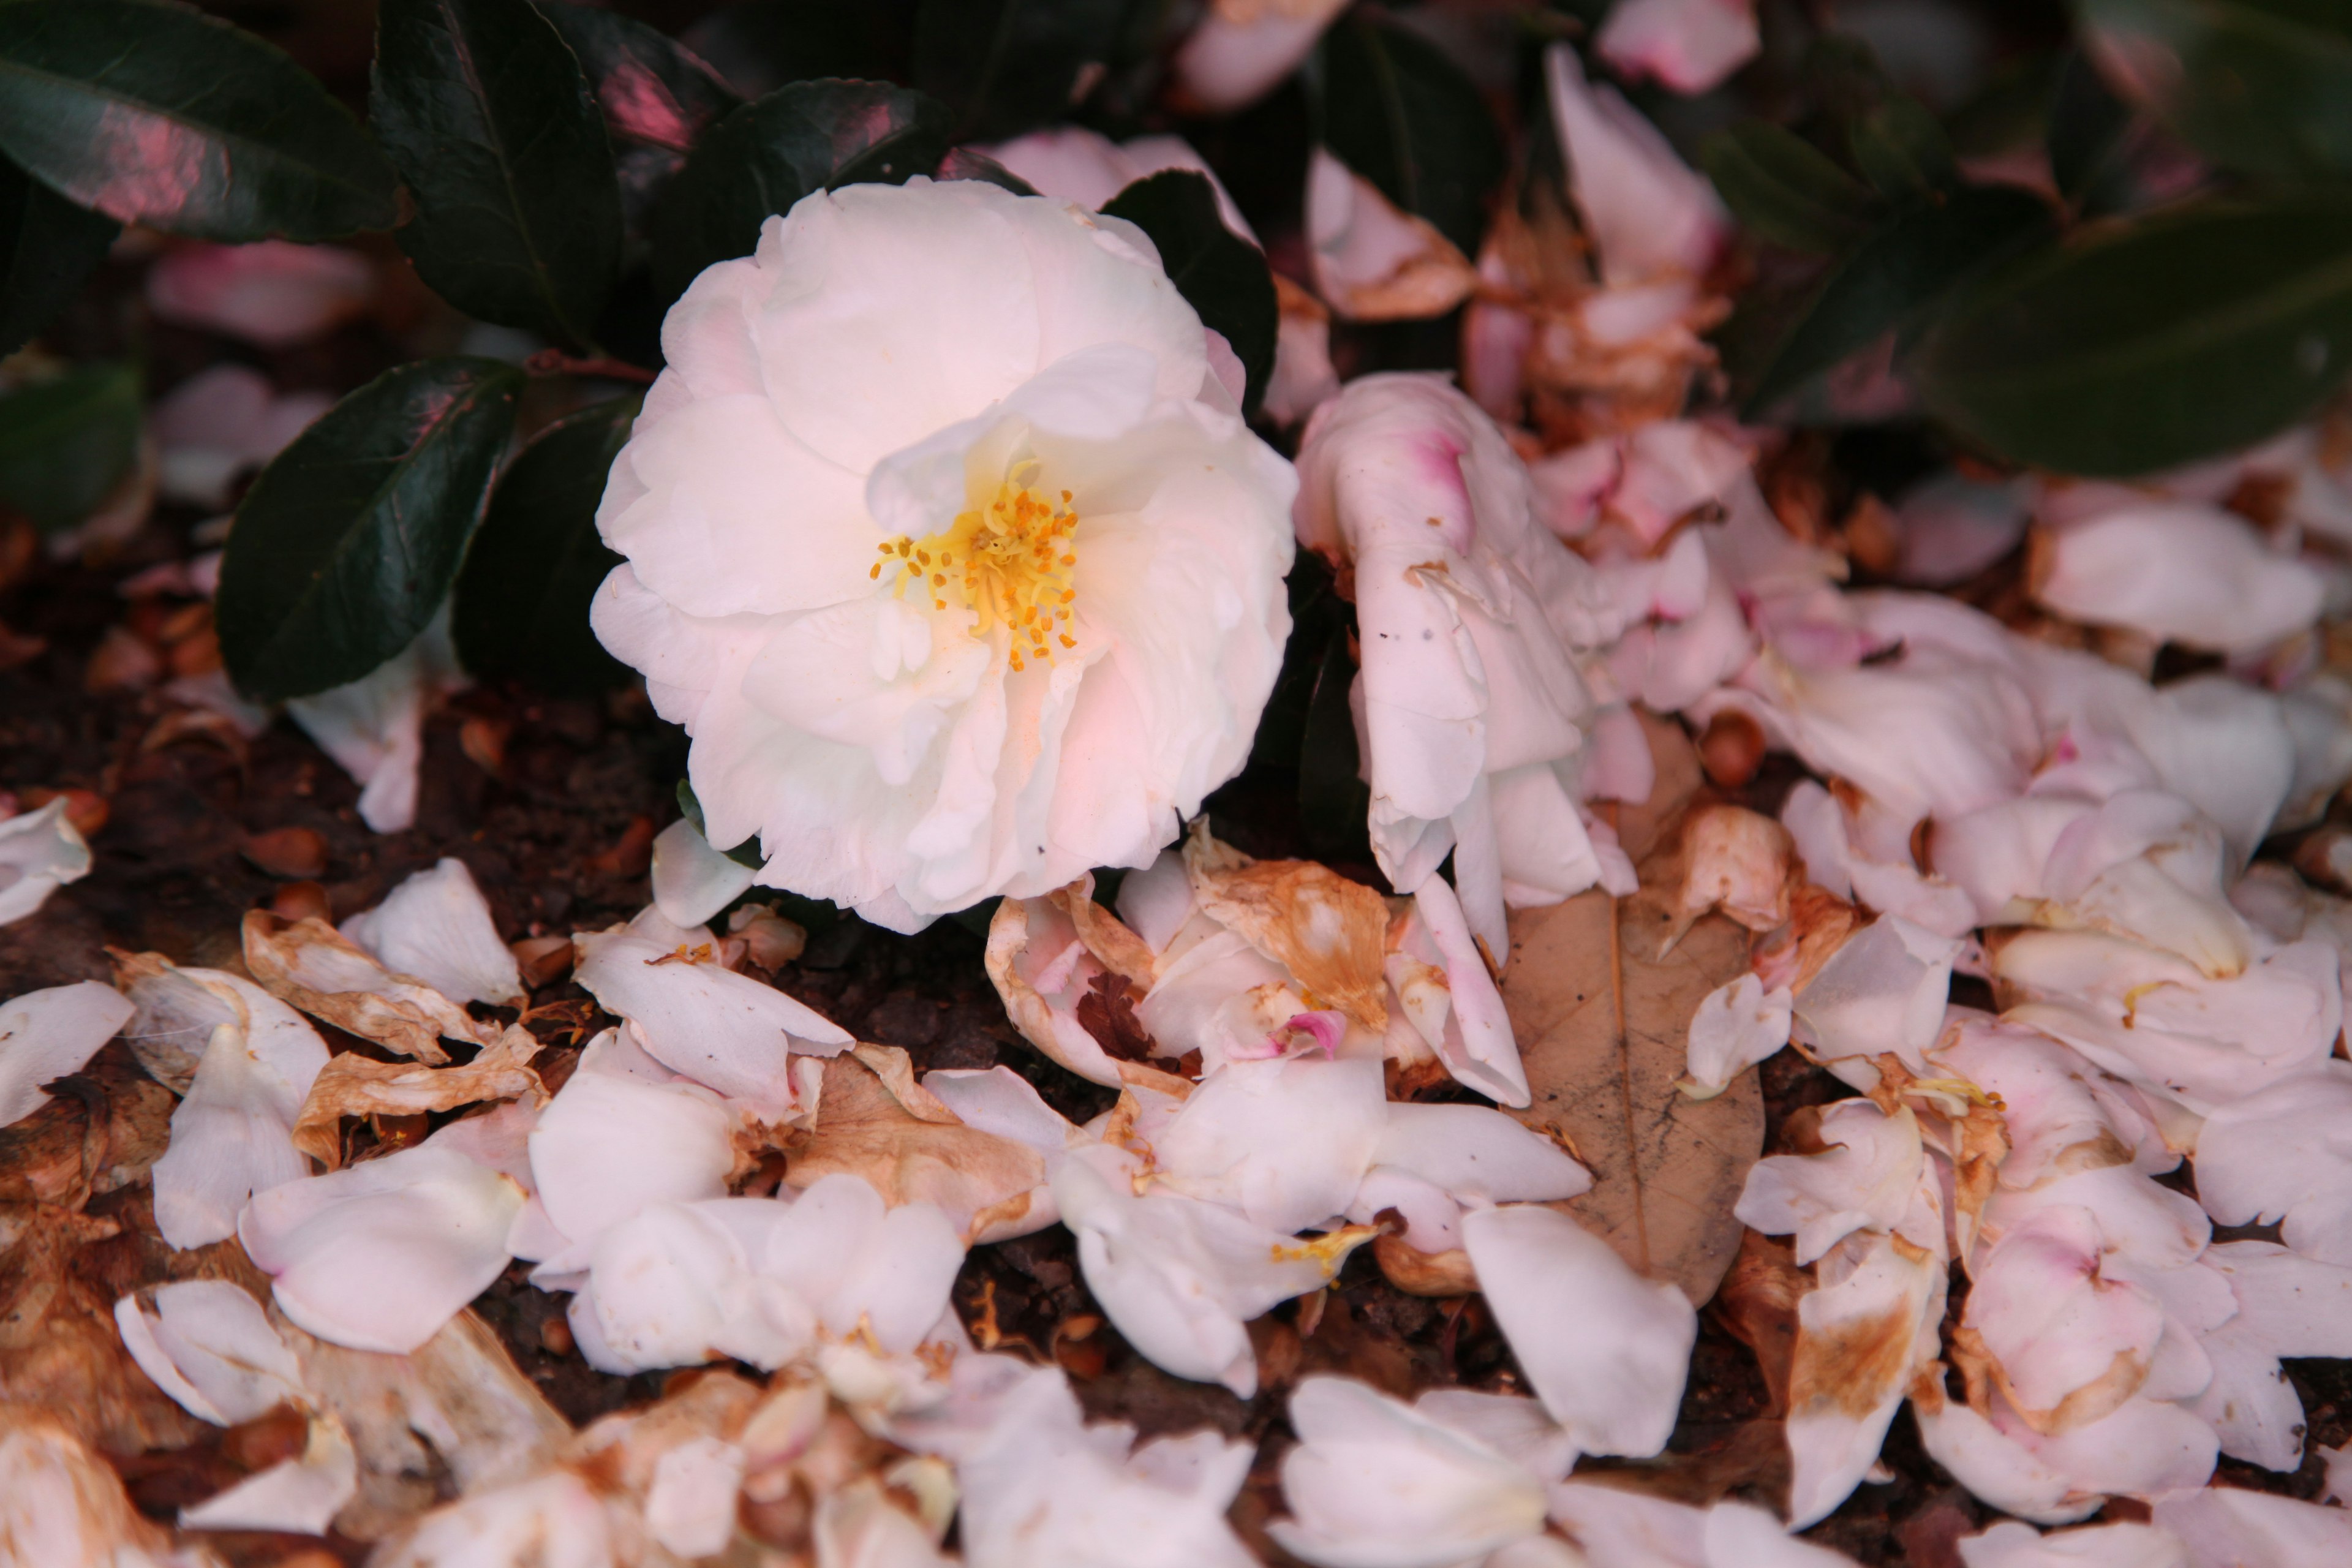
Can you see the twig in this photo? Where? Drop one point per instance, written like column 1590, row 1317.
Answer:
column 555, row 361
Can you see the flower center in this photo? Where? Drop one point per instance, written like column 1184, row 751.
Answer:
column 1010, row 561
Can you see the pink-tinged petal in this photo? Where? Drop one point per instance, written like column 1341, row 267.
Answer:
column 1374, row 262
column 1691, row 46
column 1240, row 50
column 273, row 293
column 2225, row 1526
column 40, row 851
column 1647, row 213
column 724, row 1030
column 1477, row 1154
column 208, row 1344
column 233, row 1133
column 2009, row 1544
column 378, row 1257
column 2178, row 571
column 1863, row 1179
column 437, row 927
column 2068, row 1344
column 1606, row 1350
column 2285, row 1151
column 613, row 1143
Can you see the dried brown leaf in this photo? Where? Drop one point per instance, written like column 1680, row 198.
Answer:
column 310, row 965
column 59, row 1351
column 1603, row 1030
column 354, row 1085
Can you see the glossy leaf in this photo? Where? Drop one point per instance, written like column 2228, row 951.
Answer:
column 1901, row 150
column 2087, row 136
column 48, row 246
column 971, row 164
column 657, row 97
column 64, row 444
column 1333, row 801
column 1400, row 113
column 759, row 161
column 522, row 607
column 346, row 544
column 1004, row 67
column 157, row 114
column 1894, row 278
column 2141, row 346
column 1786, row 190
column 488, row 117
column 1223, row 276
column 2264, row 86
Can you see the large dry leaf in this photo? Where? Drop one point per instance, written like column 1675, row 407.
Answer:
column 354, row 1085
column 310, row 965
column 1603, row 1025
column 874, row 1121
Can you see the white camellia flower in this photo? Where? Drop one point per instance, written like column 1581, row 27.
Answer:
column 948, row 547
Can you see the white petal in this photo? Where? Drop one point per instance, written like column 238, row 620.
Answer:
column 1284, row 1141
column 1477, row 1154
column 552, row 1520
column 2224, row 1526
column 1883, row 990
column 691, row 1506
column 1861, row 1336
column 209, row 1345
column 1375, row 1484
column 1736, row 1026
column 1606, row 1350
column 437, row 926
column 1647, row 213
column 726, row 1030
column 2179, row 572
column 374, row 726
column 692, row 881
column 378, row 1257
column 273, row 293
column 2008, row 1544
column 608, row 1146
column 47, row 1035
column 1864, row 1178
column 2282, row 1152
column 233, row 1135
column 301, row 1495
column 40, row 851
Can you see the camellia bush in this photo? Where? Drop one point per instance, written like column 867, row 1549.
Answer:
column 1554, row 665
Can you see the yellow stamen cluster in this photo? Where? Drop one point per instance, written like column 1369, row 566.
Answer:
column 1010, row 561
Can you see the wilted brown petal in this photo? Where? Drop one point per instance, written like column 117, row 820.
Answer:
column 354, row 1085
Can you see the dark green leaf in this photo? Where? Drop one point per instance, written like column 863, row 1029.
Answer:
column 1896, row 277
column 156, row 114
column 1397, row 112
column 521, row 604
column 970, row 164
column 2264, row 86
column 759, row 161
column 1334, row 802
column 1223, row 276
column 760, row 44
column 1004, row 67
column 64, row 444
column 2009, row 112
column 2088, row 126
column 658, row 98
column 1901, row 150
column 1786, row 190
column 2137, row 347
column 346, row 544
column 48, row 246
column 488, row 117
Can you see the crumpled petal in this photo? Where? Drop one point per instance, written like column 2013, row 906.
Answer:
column 1180, row 1278
column 437, row 927
column 2285, row 1151
column 717, row 1027
column 2178, row 572
column 1606, row 1350
column 232, row 1135
column 1647, row 213
column 51, row 1034
column 1737, row 1025
column 315, row 967
column 1374, row 261
column 380, row 1256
